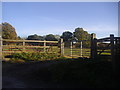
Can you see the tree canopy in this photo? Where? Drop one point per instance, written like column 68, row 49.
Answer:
column 8, row 31
column 35, row 37
column 57, row 37
column 50, row 37
column 80, row 34
column 67, row 36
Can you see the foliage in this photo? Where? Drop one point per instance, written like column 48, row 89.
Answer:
column 80, row 34
column 66, row 36
column 57, row 37
column 8, row 31
column 50, row 37
column 37, row 56
column 35, row 37
column 19, row 38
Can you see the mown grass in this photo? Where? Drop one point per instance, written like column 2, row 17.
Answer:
column 76, row 52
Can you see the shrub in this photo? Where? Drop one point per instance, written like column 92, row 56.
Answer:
column 34, row 56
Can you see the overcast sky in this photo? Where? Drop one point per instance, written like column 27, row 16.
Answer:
column 56, row 17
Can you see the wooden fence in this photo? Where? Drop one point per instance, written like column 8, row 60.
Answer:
column 17, row 46
column 111, row 45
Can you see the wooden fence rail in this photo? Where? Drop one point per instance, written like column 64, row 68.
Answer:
column 11, row 46
column 29, row 41
column 18, row 46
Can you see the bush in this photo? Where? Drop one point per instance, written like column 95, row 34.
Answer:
column 34, row 56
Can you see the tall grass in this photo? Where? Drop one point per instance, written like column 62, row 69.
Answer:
column 36, row 56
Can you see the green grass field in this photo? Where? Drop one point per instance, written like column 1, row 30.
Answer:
column 75, row 53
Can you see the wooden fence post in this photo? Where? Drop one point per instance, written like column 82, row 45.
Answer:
column 61, row 47
column 23, row 46
column 44, row 46
column 0, row 47
column 112, row 52
column 93, row 46
column 81, row 48
column 71, row 49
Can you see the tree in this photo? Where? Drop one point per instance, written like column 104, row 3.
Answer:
column 50, row 37
column 67, row 36
column 19, row 38
column 35, row 37
column 8, row 31
column 80, row 34
column 57, row 37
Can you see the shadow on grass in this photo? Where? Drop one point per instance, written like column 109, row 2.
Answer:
column 63, row 72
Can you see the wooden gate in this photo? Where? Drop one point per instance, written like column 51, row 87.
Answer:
column 111, row 48
column 108, row 46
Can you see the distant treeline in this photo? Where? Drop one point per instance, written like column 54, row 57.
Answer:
column 9, row 32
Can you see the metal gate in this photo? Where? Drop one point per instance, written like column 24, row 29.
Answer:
column 75, row 49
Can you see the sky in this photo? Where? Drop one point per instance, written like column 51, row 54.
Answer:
column 44, row 18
